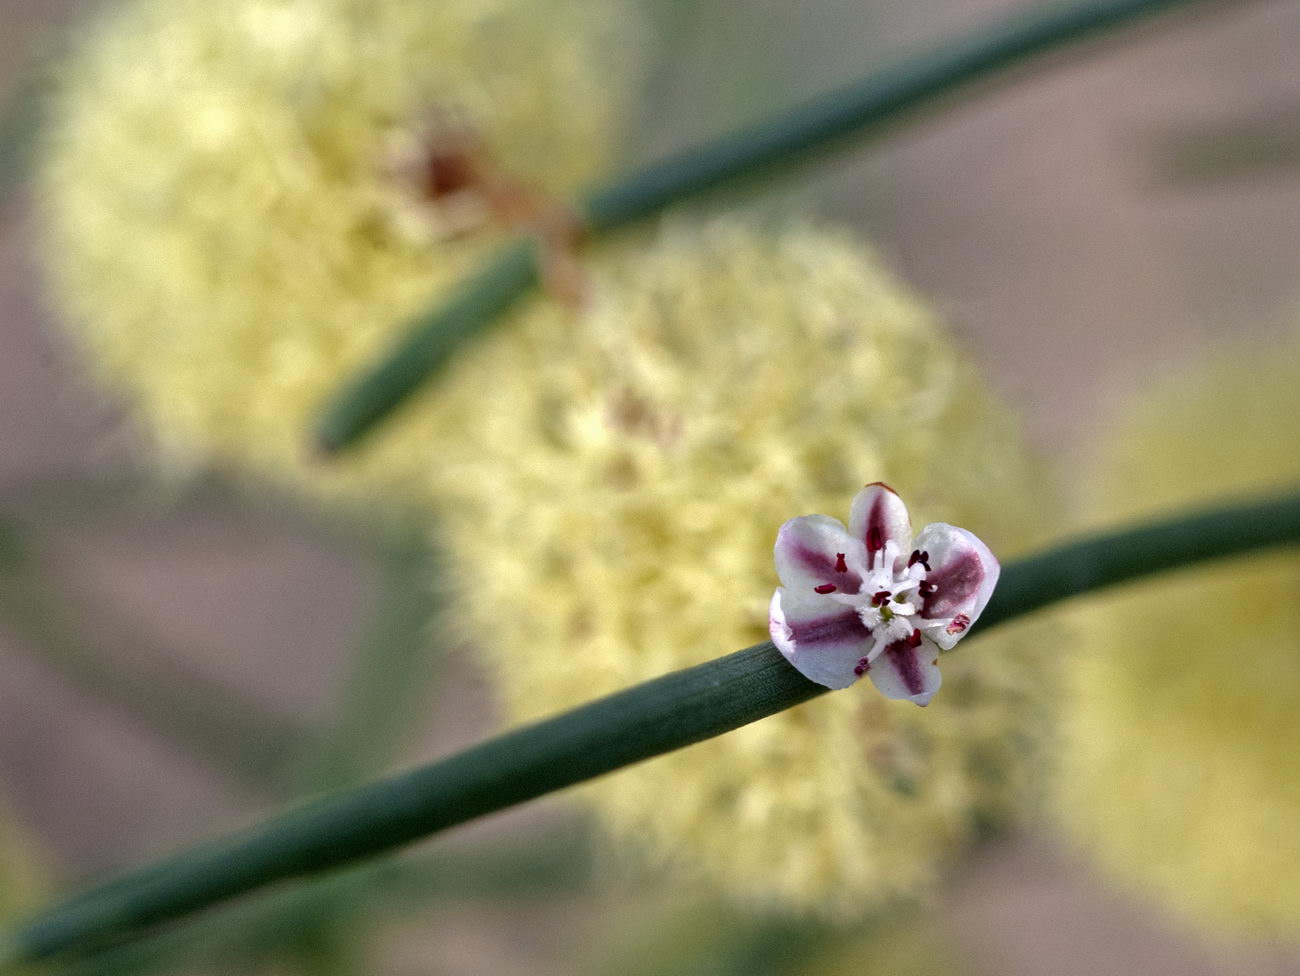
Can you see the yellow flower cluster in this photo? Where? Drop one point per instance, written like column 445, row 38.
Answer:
column 238, row 197
column 613, row 494
column 1180, row 769
column 233, row 227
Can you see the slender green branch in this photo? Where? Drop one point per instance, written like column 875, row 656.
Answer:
column 391, row 676
column 18, row 120
column 389, row 679
column 537, row 863
column 22, row 106
column 658, row 716
column 1107, row 560
column 818, row 125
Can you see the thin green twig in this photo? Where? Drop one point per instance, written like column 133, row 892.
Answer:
column 391, row 674
column 389, row 679
column 22, row 106
column 18, row 121
column 536, row 863
column 658, row 716
column 815, row 126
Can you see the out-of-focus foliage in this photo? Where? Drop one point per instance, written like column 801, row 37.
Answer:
column 1179, row 773
column 685, row 934
column 25, row 877
column 613, row 500
column 24, row 882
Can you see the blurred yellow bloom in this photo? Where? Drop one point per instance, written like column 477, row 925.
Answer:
column 674, row 932
column 614, row 490
column 243, row 201
column 1181, row 772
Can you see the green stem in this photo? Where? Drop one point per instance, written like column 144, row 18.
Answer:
column 260, row 926
column 18, row 122
column 391, row 676
column 22, row 107
column 659, row 716
column 818, row 125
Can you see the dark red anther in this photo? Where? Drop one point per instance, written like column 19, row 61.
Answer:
column 915, row 639
column 863, row 666
column 824, row 588
column 448, row 172
column 919, row 557
column 926, row 588
column 874, row 542
column 880, row 597
column 840, row 565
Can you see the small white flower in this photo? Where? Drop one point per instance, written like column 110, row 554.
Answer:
column 869, row 600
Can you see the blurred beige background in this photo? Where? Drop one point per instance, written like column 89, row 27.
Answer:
column 1080, row 227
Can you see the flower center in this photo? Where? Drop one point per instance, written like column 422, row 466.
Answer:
column 893, row 591
column 448, row 170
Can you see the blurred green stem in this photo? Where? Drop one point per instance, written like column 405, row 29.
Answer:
column 19, row 117
column 45, row 45
column 539, row 862
column 391, row 676
column 17, row 122
column 78, row 636
column 815, row 126
column 658, row 716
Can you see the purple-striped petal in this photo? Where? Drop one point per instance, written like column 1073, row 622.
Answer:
column 814, row 554
column 907, row 673
column 824, row 640
column 963, row 573
column 877, row 518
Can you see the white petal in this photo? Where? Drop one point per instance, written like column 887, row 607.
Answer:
column 907, row 673
column 878, row 515
column 824, row 640
column 809, row 551
column 965, row 573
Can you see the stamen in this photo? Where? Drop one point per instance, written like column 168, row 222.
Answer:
column 824, row 588
column 926, row 588
column 959, row 624
column 880, row 597
column 874, row 541
column 914, row 640
column 448, row 172
column 863, row 666
column 840, row 565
